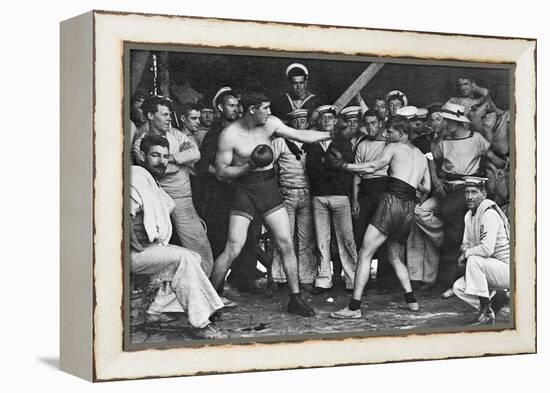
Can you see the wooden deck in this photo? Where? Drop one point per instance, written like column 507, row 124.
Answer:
column 263, row 316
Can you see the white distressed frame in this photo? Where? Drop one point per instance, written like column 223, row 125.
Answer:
column 111, row 30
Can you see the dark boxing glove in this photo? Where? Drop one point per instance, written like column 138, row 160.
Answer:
column 334, row 158
column 261, row 156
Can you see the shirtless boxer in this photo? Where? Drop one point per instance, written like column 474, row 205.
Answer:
column 408, row 172
column 244, row 158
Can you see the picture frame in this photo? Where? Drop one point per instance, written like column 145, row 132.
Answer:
column 92, row 224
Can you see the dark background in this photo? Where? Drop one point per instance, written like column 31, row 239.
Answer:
column 422, row 84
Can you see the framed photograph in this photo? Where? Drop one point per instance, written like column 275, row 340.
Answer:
column 245, row 195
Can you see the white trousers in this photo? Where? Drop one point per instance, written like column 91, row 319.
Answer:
column 336, row 210
column 189, row 289
column 482, row 276
column 298, row 206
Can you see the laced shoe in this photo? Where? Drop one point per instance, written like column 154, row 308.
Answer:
column 486, row 316
column 500, row 300
column 346, row 313
column 228, row 303
column 449, row 293
column 158, row 319
column 298, row 306
column 210, row 332
column 413, row 306
column 312, row 289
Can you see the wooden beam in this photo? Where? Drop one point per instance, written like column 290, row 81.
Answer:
column 356, row 86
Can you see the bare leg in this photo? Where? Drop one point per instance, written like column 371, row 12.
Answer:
column 236, row 237
column 279, row 225
column 372, row 240
column 396, row 255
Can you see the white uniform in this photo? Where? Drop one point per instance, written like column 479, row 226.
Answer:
column 487, row 245
column 189, row 289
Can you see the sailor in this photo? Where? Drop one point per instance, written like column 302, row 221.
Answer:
column 485, row 251
column 298, row 96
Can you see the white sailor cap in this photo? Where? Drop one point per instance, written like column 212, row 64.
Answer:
column 454, row 112
column 407, row 111
column 399, row 94
column 297, row 113
column 474, row 181
column 219, row 93
column 421, row 113
column 296, row 65
column 326, row 108
column 351, row 112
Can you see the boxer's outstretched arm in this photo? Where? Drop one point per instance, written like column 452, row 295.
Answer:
column 305, row 136
column 224, row 158
column 374, row 165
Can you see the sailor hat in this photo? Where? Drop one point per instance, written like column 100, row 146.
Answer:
column 407, row 111
column 399, row 94
column 351, row 112
column 421, row 113
column 326, row 108
column 219, row 93
column 296, row 65
column 297, row 113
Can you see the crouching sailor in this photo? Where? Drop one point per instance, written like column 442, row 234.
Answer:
column 486, row 252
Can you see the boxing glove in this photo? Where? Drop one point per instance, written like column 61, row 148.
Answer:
column 261, row 156
column 334, row 158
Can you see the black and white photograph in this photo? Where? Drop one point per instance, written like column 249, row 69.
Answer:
column 269, row 194
column 272, row 196
column 268, row 197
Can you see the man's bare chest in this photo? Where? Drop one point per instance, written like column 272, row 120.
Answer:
column 246, row 142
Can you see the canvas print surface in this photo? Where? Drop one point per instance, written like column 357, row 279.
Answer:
column 276, row 197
